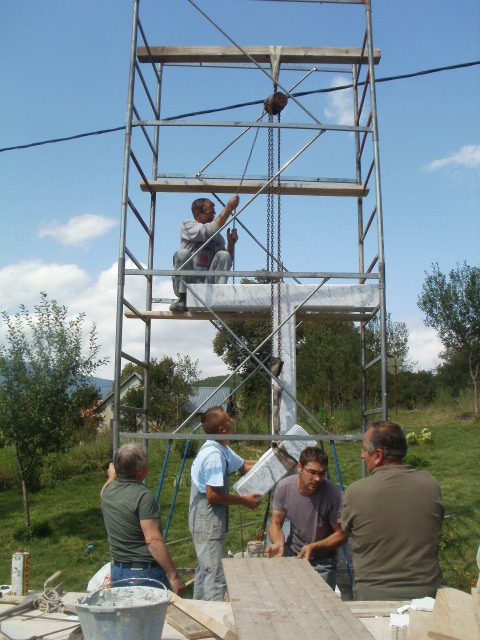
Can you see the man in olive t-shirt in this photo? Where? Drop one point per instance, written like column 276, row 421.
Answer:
column 132, row 520
column 394, row 518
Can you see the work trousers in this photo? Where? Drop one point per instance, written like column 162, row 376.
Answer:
column 205, row 260
column 208, row 525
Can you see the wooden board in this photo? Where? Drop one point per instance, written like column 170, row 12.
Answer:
column 374, row 608
column 188, row 626
column 261, row 54
column 285, row 598
column 203, row 618
column 228, row 316
column 286, row 188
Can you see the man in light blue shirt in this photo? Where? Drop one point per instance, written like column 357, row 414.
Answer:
column 209, row 500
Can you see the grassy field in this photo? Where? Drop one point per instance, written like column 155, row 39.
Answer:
column 71, row 507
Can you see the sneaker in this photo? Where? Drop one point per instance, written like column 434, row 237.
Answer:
column 180, row 305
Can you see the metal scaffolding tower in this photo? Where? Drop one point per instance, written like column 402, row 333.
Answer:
column 325, row 162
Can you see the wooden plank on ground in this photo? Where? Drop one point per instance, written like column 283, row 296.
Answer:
column 285, row 598
column 210, row 623
column 374, row 608
column 188, row 626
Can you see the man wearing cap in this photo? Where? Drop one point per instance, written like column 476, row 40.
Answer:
column 203, row 248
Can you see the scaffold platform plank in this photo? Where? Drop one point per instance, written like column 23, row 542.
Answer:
column 285, row 598
column 334, row 303
column 201, row 314
column 261, row 54
column 286, row 188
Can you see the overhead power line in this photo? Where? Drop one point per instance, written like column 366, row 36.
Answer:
column 244, row 104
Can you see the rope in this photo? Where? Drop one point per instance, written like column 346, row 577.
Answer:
column 239, row 186
column 49, row 601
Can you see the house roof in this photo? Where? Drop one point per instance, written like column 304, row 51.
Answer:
column 134, row 379
column 200, row 395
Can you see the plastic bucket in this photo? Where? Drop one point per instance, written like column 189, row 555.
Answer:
column 127, row 612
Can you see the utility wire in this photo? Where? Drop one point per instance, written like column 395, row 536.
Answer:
column 246, row 104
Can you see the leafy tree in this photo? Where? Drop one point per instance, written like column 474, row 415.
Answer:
column 170, row 386
column 416, row 389
column 451, row 305
column 255, row 392
column 328, row 365
column 85, row 422
column 41, row 365
column 397, row 340
column 452, row 374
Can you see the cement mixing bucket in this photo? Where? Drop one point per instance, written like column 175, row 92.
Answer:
column 124, row 612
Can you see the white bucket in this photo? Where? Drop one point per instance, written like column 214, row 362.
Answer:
column 124, row 612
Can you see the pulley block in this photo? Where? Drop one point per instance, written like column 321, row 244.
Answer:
column 275, row 103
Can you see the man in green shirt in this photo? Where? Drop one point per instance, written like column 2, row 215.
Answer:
column 132, row 520
column 394, row 518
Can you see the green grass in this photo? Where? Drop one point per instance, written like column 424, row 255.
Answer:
column 71, row 507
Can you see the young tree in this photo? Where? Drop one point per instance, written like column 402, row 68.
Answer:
column 451, row 305
column 41, row 365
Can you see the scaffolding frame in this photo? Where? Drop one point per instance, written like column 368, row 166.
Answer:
column 146, row 131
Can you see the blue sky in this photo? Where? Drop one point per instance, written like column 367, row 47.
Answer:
column 64, row 72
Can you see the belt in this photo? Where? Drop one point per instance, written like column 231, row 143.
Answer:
column 135, row 565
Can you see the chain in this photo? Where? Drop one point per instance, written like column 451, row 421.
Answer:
column 270, row 225
column 279, row 244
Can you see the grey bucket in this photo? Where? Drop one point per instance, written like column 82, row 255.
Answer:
column 124, row 612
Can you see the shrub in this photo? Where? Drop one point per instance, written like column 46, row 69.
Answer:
column 193, row 447
column 419, row 462
column 424, row 437
column 37, row 530
column 83, row 458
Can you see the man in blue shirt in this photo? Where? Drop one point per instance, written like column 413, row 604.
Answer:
column 209, row 500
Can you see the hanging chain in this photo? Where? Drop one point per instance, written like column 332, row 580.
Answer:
column 270, row 199
column 270, row 224
column 279, row 244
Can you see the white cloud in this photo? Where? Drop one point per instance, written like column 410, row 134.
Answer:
column 339, row 106
column 71, row 286
column 424, row 344
column 467, row 157
column 21, row 283
column 79, row 230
